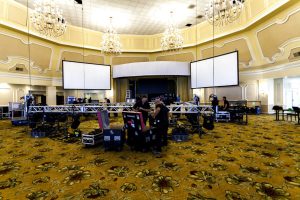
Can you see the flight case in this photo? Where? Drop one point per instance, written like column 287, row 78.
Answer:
column 223, row 116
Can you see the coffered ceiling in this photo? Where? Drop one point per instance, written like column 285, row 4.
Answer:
column 141, row 17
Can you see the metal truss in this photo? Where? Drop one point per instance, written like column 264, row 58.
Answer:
column 116, row 108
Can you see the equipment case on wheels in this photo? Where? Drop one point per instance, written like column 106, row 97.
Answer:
column 112, row 138
column 138, row 137
column 180, row 134
column 93, row 138
column 223, row 116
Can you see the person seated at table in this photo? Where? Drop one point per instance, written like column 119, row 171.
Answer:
column 226, row 104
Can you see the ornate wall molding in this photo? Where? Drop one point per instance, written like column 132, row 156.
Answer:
column 193, row 53
column 284, row 47
column 271, row 69
column 222, row 44
column 28, row 43
column 12, row 61
column 151, row 40
column 72, row 51
column 274, row 22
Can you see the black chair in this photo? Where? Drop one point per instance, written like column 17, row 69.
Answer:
column 293, row 113
column 277, row 111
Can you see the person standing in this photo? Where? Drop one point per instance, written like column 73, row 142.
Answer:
column 178, row 99
column 145, row 109
column 215, row 103
column 107, row 101
column 138, row 103
column 161, row 116
column 196, row 99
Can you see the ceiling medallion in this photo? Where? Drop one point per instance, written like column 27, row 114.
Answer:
column 172, row 39
column 223, row 12
column 111, row 44
column 47, row 18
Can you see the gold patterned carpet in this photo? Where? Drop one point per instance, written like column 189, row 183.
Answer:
column 258, row 161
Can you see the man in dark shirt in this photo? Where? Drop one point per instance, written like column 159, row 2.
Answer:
column 143, row 106
column 145, row 109
column 107, row 101
column 215, row 103
column 138, row 103
column 226, row 104
column 161, row 115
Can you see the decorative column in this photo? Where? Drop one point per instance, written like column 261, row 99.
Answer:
column 51, row 95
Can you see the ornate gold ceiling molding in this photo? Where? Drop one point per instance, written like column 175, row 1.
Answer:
column 152, row 41
column 111, row 62
column 271, row 69
column 138, row 57
column 275, row 22
column 291, row 56
column 189, row 54
column 286, row 46
column 30, row 43
column 73, row 51
column 222, row 44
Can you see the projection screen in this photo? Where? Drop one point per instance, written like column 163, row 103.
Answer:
column 86, row 76
column 217, row 71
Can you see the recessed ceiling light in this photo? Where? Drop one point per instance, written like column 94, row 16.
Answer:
column 199, row 16
column 192, row 6
column 188, row 25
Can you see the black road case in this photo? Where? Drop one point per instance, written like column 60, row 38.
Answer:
column 113, row 139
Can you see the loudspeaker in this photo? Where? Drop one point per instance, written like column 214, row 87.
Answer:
column 208, row 122
column 75, row 123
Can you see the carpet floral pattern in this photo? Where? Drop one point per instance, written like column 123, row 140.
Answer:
column 260, row 160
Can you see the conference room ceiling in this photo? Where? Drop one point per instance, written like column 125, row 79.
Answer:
column 140, row 17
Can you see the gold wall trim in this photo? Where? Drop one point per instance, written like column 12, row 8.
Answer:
column 44, row 79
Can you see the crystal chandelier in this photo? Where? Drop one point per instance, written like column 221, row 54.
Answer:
column 111, row 44
column 223, row 12
column 47, row 18
column 172, row 39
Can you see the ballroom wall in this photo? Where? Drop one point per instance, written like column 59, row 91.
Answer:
column 263, row 55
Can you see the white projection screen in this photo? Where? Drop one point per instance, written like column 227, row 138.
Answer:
column 86, row 76
column 217, row 71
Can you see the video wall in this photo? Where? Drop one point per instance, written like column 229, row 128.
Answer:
column 85, row 76
column 217, row 71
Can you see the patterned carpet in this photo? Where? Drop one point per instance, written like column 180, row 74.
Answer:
column 257, row 161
